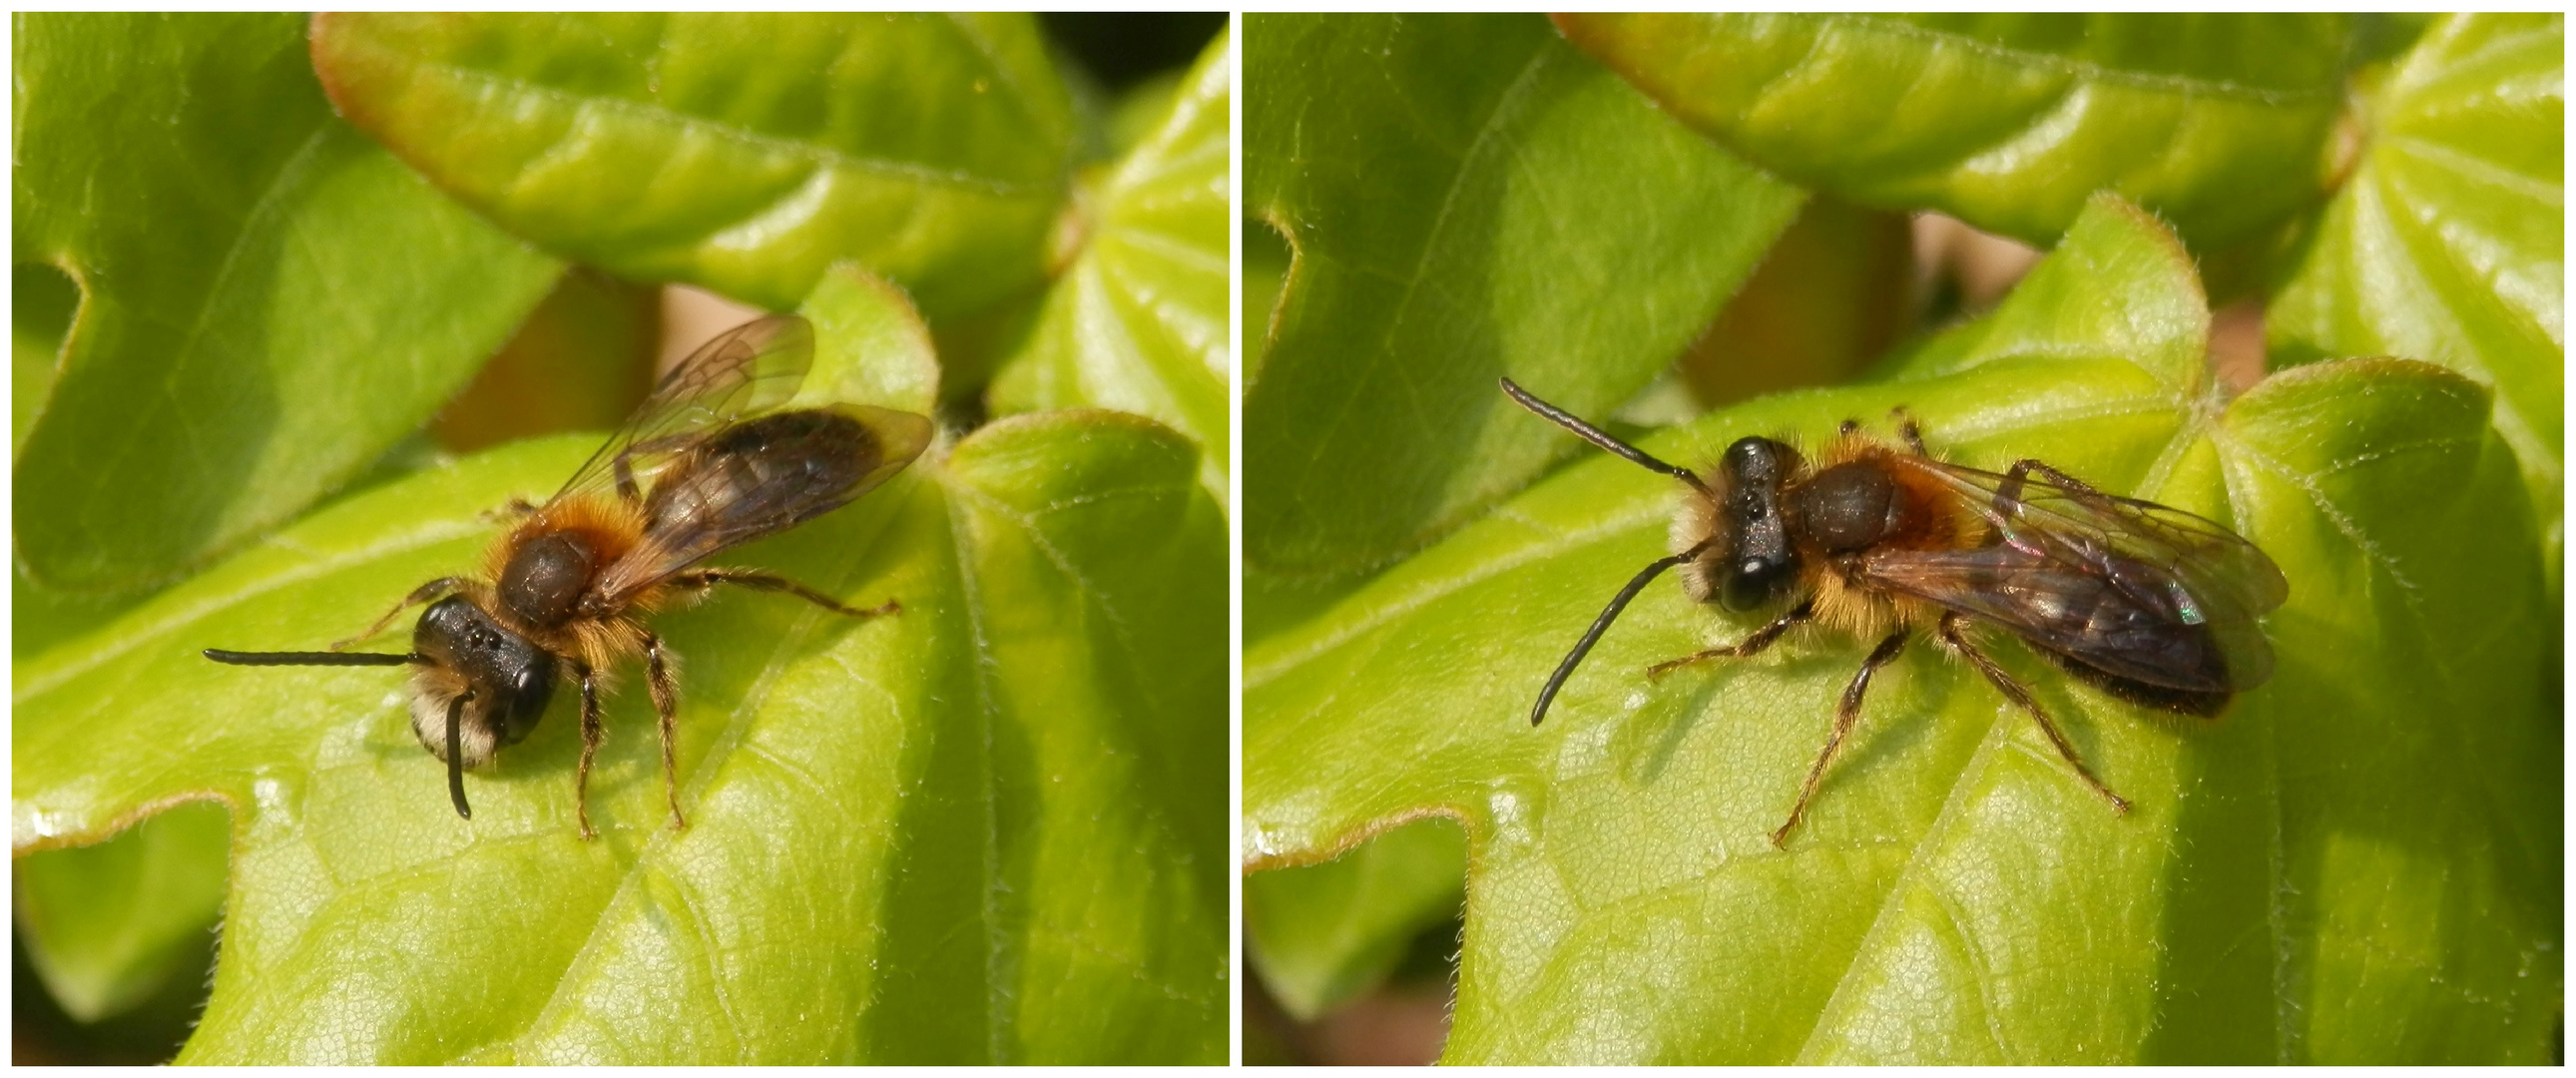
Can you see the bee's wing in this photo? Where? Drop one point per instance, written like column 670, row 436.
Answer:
column 2129, row 587
column 760, row 476
column 745, row 370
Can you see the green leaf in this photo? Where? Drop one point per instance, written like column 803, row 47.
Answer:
column 743, row 153
column 1265, row 273
column 1139, row 321
column 2447, row 242
column 268, row 300
column 870, row 345
column 987, row 828
column 2218, row 123
column 1322, row 935
column 1466, row 197
column 2359, row 862
column 107, row 926
column 42, row 302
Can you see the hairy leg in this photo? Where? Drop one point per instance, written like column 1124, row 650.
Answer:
column 429, row 592
column 1746, row 648
column 592, row 735
column 1845, row 716
column 666, row 705
column 2020, row 696
column 703, row 579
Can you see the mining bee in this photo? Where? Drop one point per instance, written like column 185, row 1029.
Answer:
column 2149, row 603
column 703, row 465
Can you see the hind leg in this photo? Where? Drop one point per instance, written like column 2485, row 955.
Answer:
column 2021, row 698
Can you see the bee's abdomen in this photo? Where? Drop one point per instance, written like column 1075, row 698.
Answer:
column 765, row 474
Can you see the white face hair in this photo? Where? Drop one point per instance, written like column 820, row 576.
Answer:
column 1698, row 520
column 477, row 737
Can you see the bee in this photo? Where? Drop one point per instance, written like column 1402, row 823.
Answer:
column 703, row 465
column 2146, row 602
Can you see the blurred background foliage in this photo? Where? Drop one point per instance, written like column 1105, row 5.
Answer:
column 113, row 944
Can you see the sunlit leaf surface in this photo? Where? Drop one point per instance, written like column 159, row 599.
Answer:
column 1466, row 197
column 1138, row 322
column 2217, row 122
column 2359, row 862
column 1321, row 935
column 2447, row 243
column 987, row 828
column 241, row 256
column 743, row 153
column 106, row 926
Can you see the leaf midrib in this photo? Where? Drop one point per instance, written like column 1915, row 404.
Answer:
column 653, row 114
column 2186, row 86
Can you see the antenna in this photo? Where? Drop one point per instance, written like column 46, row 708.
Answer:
column 313, row 658
column 456, row 753
column 1599, row 437
column 1601, row 625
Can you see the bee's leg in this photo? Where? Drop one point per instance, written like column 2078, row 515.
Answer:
column 429, row 592
column 2009, row 491
column 1742, row 649
column 625, row 471
column 592, row 734
column 1909, row 430
column 666, row 705
column 626, row 478
column 708, row 578
column 1845, row 716
column 517, row 508
column 2021, row 698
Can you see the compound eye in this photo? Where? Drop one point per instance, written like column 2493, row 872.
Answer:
column 1753, row 583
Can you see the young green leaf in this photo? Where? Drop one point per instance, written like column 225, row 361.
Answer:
column 1465, row 197
column 2218, row 123
column 743, row 153
column 983, row 828
column 1139, row 321
column 2446, row 243
column 902, row 831
column 268, row 301
column 2358, row 862
column 107, row 926
column 869, row 344
column 1324, row 934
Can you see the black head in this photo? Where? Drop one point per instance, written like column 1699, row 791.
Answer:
column 476, row 685
column 509, row 679
column 1758, row 564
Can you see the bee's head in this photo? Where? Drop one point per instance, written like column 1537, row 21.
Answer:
column 1752, row 563
column 505, row 681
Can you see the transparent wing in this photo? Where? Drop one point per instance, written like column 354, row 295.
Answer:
column 2129, row 587
column 760, row 476
column 750, row 368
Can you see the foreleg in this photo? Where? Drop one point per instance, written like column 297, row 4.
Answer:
column 1746, row 648
column 429, row 592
